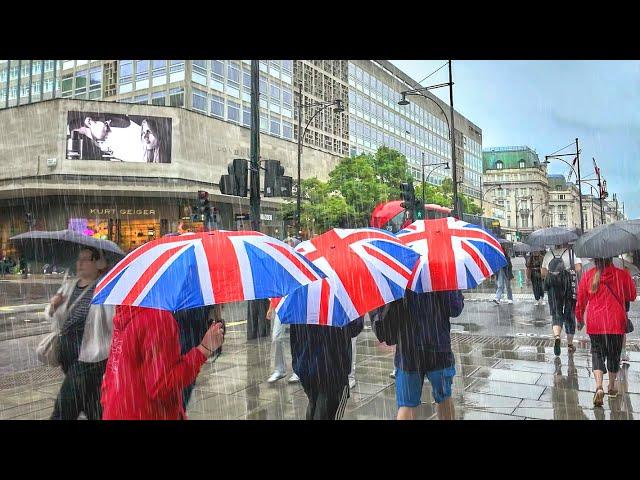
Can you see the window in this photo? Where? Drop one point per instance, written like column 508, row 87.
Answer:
column 217, row 106
column 176, row 66
column 246, row 116
column 48, row 65
column 81, row 82
column 14, row 72
column 36, row 67
column 233, row 111
column 176, row 97
column 48, row 85
column 275, row 94
column 246, row 80
column 199, row 100
column 233, row 74
column 287, row 66
column 158, row 98
column 141, row 99
column 264, row 122
column 275, row 126
column 67, row 83
column 126, row 71
column 287, row 130
column 217, row 69
column 499, row 165
column 521, row 163
column 142, row 69
column 263, row 86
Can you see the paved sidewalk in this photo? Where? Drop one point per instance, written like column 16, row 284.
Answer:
column 498, row 378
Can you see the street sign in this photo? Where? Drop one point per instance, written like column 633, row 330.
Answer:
column 242, row 216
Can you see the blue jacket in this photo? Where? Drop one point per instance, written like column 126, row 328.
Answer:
column 321, row 355
column 429, row 327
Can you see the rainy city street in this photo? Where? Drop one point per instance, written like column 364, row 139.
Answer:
column 505, row 366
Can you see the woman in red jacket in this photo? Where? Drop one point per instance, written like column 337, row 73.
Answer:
column 602, row 294
column 145, row 373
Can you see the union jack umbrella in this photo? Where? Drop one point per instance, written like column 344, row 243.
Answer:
column 197, row 269
column 455, row 255
column 365, row 268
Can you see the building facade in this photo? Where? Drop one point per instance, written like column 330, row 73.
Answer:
column 516, row 180
column 564, row 203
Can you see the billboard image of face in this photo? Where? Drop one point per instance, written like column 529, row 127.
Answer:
column 118, row 137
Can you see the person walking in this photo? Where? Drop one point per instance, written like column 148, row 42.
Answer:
column 277, row 346
column 505, row 275
column 602, row 293
column 85, row 337
column 146, row 374
column 534, row 275
column 560, row 270
column 424, row 350
column 322, row 359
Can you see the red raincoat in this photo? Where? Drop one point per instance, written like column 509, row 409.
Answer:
column 145, row 372
column 604, row 311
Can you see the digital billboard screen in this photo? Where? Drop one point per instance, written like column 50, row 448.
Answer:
column 118, row 137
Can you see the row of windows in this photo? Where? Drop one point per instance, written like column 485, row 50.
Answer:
column 174, row 95
column 35, row 67
column 36, row 88
column 237, row 112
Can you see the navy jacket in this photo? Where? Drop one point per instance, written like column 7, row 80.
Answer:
column 428, row 329
column 321, row 355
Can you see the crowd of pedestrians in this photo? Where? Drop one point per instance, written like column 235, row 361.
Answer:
column 141, row 363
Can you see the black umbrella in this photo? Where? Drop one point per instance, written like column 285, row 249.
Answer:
column 610, row 240
column 618, row 262
column 61, row 247
column 551, row 236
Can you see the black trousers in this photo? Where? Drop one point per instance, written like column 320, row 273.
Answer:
column 326, row 404
column 80, row 392
column 537, row 284
column 605, row 352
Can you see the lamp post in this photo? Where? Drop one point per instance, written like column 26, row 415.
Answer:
column 579, row 178
column 301, row 133
column 450, row 124
column 436, row 165
column 497, row 187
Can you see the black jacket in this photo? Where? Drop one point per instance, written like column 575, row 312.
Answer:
column 321, row 355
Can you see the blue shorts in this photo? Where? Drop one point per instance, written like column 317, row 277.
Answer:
column 409, row 385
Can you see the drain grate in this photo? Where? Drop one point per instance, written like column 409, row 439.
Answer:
column 35, row 377
column 469, row 338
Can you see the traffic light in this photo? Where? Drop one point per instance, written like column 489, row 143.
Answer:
column 518, row 236
column 236, row 182
column 272, row 171
column 408, row 195
column 284, row 186
column 419, row 212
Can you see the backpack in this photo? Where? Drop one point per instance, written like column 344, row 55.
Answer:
column 558, row 271
column 387, row 320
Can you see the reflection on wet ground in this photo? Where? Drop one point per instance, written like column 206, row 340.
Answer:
column 501, row 378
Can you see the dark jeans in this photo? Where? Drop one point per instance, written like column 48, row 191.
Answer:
column 192, row 325
column 606, row 348
column 327, row 404
column 538, row 288
column 80, row 392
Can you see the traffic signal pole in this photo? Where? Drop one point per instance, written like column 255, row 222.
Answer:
column 254, row 184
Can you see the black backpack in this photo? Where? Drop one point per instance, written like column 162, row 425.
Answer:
column 387, row 320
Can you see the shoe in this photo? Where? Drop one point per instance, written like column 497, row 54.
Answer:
column 509, row 301
column 598, row 398
column 571, row 348
column 543, row 303
column 393, row 374
column 556, row 347
column 612, row 393
column 352, row 382
column 275, row 376
column 495, row 301
column 294, row 378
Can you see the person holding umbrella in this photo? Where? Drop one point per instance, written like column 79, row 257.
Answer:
column 534, row 275
column 602, row 293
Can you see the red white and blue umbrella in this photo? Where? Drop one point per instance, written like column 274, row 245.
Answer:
column 455, row 255
column 193, row 270
column 365, row 268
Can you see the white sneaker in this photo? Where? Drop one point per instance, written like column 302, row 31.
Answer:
column 542, row 302
column 509, row 301
column 294, row 378
column 275, row 376
column 393, row 374
column 352, row 382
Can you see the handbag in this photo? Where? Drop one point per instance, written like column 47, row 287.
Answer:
column 629, row 328
column 48, row 350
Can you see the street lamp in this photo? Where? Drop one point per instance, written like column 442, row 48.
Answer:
column 338, row 108
column 436, row 165
column 579, row 179
column 497, row 187
column 450, row 124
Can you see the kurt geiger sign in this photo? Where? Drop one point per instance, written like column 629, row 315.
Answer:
column 122, row 211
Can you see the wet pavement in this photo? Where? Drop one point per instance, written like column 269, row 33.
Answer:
column 497, row 379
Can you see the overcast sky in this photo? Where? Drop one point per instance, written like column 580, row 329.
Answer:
column 546, row 105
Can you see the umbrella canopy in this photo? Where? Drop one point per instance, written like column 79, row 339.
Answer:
column 618, row 262
column 455, row 255
column 62, row 245
column 198, row 269
column 610, row 240
column 551, row 236
column 365, row 267
column 520, row 247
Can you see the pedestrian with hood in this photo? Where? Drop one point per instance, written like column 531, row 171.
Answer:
column 602, row 293
column 322, row 359
column 84, row 338
column 146, row 374
column 534, row 274
column 560, row 269
column 505, row 275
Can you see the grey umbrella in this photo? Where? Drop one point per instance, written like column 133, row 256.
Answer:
column 551, row 236
column 520, row 247
column 62, row 246
column 618, row 262
column 610, row 240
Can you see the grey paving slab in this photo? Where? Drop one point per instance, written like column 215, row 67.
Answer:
column 488, row 403
column 25, row 409
column 506, row 389
column 559, row 413
column 512, row 376
column 470, row 414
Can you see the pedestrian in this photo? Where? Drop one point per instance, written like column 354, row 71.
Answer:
column 534, row 275
column 24, row 269
column 504, row 277
column 277, row 346
column 602, row 293
column 322, row 359
column 85, row 337
column 146, row 374
column 560, row 268
column 424, row 350
column 193, row 323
